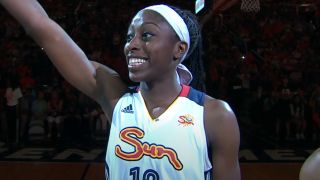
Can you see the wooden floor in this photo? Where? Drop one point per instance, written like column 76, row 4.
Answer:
column 51, row 171
column 270, row 171
column 95, row 171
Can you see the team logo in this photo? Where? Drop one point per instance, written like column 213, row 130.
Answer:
column 186, row 120
column 132, row 136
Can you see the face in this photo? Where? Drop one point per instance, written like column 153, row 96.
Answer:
column 150, row 47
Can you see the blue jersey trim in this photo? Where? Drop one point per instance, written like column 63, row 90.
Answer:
column 132, row 89
column 196, row 96
column 106, row 171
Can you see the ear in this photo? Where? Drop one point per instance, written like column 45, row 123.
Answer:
column 179, row 50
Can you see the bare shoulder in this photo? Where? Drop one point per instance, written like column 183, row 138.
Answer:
column 310, row 169
column 220, row 121
column 218, row 111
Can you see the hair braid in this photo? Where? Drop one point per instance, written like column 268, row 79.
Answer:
column 194, row 56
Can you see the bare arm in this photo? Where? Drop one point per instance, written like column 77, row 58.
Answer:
column 68, row 58
column 110, row 92
column 224, row 138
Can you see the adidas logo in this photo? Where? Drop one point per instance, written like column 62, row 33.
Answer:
column 127, row 109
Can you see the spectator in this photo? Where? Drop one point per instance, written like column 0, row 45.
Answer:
column 85, row 107
column 283, row 116
column 94, row 117
column 25, row 114
column 297, row 115
column 39, row 110
column 55, row 116
column 12, row 95
column 315, row 111
column 27, row 82
column 72, row 117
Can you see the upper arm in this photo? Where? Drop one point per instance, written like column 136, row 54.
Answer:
column 224, row 139
column 65, row 54
column 109, row 93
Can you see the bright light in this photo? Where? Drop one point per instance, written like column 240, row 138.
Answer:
column 199, row 5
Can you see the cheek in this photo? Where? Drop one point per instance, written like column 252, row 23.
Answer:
column 160, row 51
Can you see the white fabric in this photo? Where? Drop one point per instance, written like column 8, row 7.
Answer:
column 185, row 75
column 181, row 29
column 13, row 96
column 188, row 141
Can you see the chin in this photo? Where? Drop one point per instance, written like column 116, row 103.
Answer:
column 134, row 78
column 139, row 77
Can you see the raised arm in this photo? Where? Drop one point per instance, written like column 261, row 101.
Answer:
column 68, row 58
column 224, row 139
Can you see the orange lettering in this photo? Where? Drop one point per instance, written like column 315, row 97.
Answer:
column 125, row 136
column 141, row 149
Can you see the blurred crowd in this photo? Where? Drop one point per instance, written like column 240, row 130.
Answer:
column 266, row 65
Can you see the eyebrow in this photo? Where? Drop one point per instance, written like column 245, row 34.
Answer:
column 152, row 23
column 146, row 23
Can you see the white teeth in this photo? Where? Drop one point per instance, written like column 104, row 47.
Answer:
column 136, row 61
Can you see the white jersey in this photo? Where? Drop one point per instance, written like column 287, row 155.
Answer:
column 172, row 146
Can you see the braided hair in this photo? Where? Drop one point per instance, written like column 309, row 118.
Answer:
column 193, row 59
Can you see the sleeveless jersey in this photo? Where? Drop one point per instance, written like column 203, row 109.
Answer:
column 172, row 146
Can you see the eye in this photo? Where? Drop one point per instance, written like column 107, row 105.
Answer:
column 146, row 36
column 129, row 37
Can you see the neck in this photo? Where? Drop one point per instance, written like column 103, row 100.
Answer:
column 159, row 95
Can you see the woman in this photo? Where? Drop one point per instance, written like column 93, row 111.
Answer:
column 164, row 129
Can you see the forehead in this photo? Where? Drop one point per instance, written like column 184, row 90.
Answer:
column 147, row 16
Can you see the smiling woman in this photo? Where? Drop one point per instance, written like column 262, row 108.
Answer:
column 164, row 129
column 148, row 40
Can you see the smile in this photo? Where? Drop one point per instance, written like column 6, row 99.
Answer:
column 136, row 61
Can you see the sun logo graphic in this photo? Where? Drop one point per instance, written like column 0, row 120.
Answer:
column 186, row 120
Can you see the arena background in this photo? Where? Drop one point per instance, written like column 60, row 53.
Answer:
column 251, row 60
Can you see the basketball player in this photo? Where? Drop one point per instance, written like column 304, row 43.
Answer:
column 164, row 129
column 310, row 169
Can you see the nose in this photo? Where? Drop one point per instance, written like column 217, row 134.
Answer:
column 133, row 45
